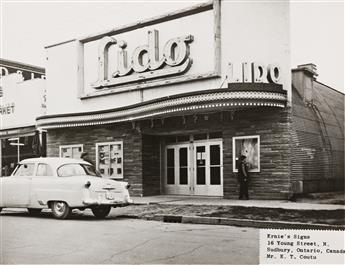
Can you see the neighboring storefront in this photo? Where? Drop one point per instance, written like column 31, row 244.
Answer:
column 22, row 100
column 170, row 103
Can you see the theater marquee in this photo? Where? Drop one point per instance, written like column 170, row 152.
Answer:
column 178, row 47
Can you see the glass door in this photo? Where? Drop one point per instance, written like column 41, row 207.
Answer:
column 177, row 171
column 208, row 168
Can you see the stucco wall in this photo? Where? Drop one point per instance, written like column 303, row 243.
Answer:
column 249, row 32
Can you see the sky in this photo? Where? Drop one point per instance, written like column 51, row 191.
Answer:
column 316, row 28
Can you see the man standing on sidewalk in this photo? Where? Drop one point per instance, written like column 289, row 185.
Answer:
column 243, row 177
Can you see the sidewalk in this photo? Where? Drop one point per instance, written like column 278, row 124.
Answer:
column 188, row 200
column 272, row 214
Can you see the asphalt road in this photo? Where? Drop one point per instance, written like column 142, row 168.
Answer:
column 83, row 239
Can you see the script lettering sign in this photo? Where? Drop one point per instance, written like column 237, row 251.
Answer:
column 146, row 61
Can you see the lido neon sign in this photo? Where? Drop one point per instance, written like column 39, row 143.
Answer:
column 254, row 73
column 145, row 63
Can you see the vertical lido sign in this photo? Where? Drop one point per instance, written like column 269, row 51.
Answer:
column 145, row 62
column 254, row 73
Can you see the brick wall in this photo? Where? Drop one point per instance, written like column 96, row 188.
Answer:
column 142, row 147
column 273, row 126
column 89, row 136
column 151, row 165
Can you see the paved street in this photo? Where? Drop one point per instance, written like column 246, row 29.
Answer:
column 83, row 239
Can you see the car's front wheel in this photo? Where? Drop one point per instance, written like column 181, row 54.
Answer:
column 101, row 211
column 33, row 211
column 60, row 210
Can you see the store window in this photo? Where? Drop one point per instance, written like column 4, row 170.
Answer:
column 71, row 151
column 109, row 159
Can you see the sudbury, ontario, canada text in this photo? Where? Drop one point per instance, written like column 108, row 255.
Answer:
column 297, row 246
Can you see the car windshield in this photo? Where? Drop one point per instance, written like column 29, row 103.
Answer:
column 69, row 170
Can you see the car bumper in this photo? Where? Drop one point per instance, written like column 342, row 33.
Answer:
column 113, row 203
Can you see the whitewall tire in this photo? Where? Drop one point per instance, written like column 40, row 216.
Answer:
column 60, row 209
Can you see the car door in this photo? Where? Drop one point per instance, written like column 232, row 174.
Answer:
column 16, row 188
column 41, row 185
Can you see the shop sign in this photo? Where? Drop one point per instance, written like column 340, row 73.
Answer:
column 26, row 75
column 20, row 102
column 145, row 62
column 7, row 109
column 254, row 73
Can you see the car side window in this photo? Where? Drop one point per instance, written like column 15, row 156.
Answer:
column 68, row 170
column 44, row 170
column 25, row 170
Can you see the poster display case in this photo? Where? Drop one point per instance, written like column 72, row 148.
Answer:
column 109, row 159
column 71, row 151
column 248, row 146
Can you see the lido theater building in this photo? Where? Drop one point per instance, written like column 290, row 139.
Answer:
column 169, row 103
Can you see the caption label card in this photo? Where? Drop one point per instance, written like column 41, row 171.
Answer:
column 278, row 246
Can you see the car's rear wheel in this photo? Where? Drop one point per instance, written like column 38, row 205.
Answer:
column 60, row 209
column 101, row 211
column 33, row 211
column 0, row 210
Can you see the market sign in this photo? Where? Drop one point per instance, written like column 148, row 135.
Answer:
column 6, row 109
column 26, row 74
column 21, row 101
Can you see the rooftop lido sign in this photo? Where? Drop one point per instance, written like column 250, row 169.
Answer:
column 146, row 62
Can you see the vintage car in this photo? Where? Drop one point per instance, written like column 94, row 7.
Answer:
column 61, row 184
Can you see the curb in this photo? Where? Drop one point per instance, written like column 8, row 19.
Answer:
column 237, row 222
column 338, row 207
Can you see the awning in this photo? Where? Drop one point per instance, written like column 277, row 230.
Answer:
column 17, row 132
column 234, row 98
